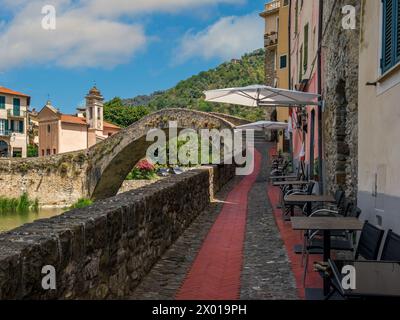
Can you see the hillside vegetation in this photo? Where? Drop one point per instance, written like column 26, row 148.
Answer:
column 188, row 93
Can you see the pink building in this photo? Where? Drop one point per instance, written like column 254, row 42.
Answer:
column 60, row 133
column 304, row 39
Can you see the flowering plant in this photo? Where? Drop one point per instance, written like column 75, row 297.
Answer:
column 145, row 165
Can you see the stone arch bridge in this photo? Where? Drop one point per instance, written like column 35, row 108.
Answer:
column 97, row 172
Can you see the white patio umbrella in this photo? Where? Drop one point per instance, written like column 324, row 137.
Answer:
column 260, row 95
column 261, row 125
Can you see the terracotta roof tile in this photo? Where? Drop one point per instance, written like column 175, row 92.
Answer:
column 73, row 119
column 9, row 91
column 110, row 125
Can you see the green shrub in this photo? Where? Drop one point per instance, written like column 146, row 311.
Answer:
column 81, row 203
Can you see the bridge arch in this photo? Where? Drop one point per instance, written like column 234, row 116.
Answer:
column 110, row 161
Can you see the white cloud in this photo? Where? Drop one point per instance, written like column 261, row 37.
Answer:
column 89, row 33
column 230, row 37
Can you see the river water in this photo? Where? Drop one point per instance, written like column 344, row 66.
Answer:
column 13, row 220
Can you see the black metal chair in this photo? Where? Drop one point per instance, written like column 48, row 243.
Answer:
column 305, row 191
column 391, row 248
column 368, row 244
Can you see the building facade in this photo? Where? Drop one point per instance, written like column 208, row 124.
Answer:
column 60, row 133
column 276, row 39
column 379, row 115
column 304, row 73
column 13, row 123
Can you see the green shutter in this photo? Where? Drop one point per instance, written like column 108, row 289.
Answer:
column 21, row 127
column 16, row 107
column 2, row 102
column 6, row 126
column 389, row 32
column 306, row 47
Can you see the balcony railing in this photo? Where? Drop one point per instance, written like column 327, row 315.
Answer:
column 271, row 6
column 5, row 133
column 270, row 39
column 16, row 114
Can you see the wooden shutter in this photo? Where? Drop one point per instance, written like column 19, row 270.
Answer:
column 388, row 46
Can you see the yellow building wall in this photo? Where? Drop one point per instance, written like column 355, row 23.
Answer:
column 283, row 74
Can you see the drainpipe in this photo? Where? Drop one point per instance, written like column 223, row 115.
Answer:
column 320, row 108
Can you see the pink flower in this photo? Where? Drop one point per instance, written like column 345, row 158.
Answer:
column 145, row 165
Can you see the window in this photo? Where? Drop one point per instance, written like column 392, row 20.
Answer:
column 42, row 152
column 21, row 127
column 12, row 125
column 3, row 127
column 90, row 113
column 48, row 152
column 54, row 151
column 17, row 153
column 48, row 128
column 2, row 102
column 16, row 107
column 285, row 3
column 305, row 47
column 283, row 62
column 391, row 34
column 98, row 113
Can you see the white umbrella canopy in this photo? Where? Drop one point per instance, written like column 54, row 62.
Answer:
column 260, row 95
column 261, row 125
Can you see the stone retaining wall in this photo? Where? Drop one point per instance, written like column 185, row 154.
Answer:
column 103, row 251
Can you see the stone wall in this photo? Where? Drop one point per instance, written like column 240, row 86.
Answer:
column 340, row 91
column 103, row 251
column 57, row 180
column 98, row 172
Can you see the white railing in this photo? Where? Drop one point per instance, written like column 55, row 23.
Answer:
column 272, row 5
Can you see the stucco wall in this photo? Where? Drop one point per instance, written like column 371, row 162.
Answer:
column 103, row 251
column 379, row 130
column 72, row 137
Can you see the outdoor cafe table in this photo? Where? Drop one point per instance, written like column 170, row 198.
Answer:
column 283, row 177
column 290, row 183
column 373, row 278
column 308, row 199
column 326, row 224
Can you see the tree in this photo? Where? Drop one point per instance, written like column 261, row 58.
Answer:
column 119, row 114
column 33, row 151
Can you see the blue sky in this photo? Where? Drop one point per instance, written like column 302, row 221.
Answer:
column 128, row 47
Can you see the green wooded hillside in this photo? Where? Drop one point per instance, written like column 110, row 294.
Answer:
column 188, row 93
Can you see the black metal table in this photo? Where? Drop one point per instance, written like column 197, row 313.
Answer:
column 373, row 279
column 326, row 224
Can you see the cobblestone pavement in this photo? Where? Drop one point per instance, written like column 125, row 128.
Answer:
column 266, row 271
column 166, row 277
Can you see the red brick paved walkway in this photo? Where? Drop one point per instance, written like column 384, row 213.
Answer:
column 291, row 238
column 215, row 273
